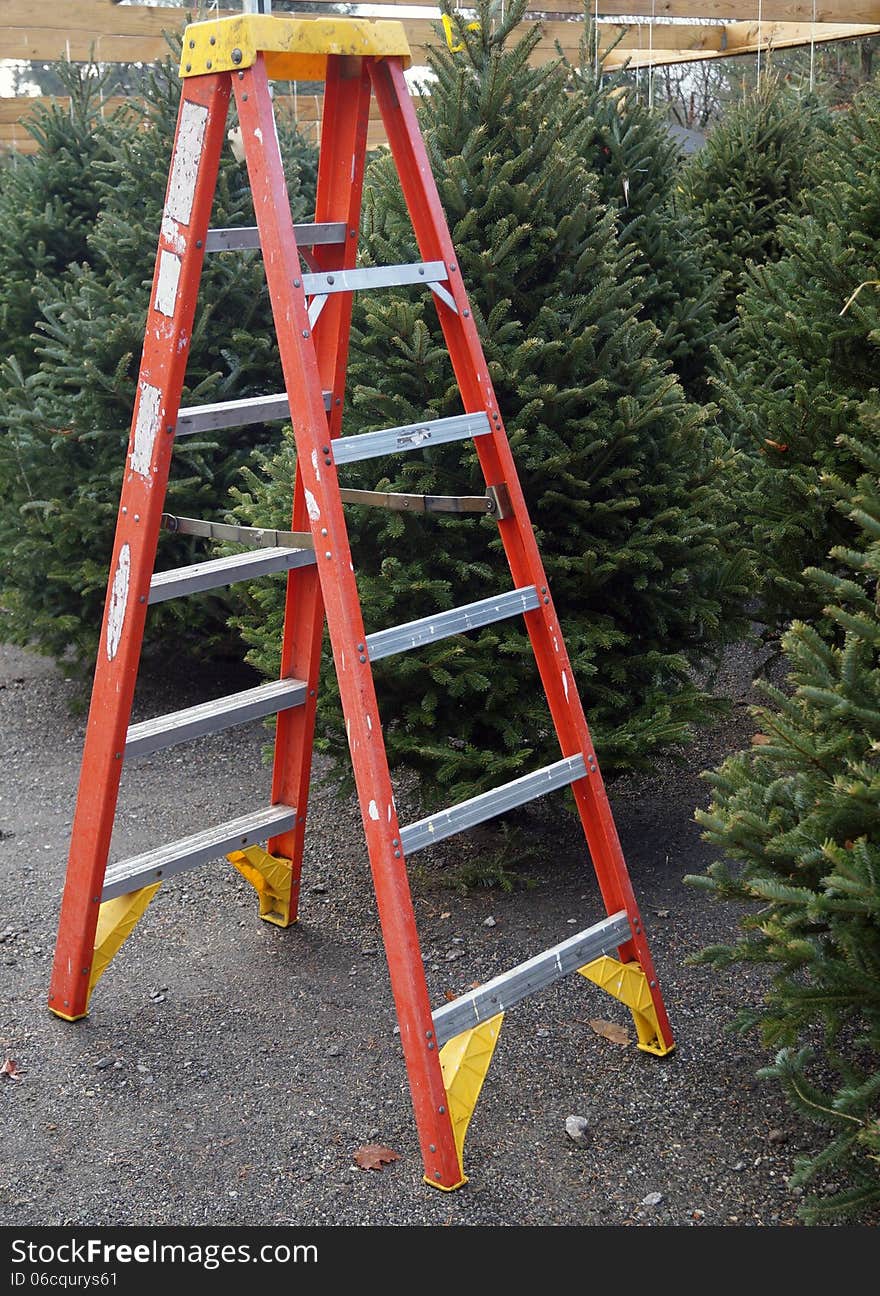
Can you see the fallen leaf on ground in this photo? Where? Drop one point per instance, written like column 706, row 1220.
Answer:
column 446, row 914
column 662, row 913
column 760, row 740
column 372, row 1156
column 10, row 1068
column 449, row 995
column 610, row 1031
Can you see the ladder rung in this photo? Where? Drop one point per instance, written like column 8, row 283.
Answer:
column 235, row 413
column 411, row 436
column 225, row 571
column 384, row 643
column 210, row 717
column 248, row 236
column 392, row 276
column 536, row 973
column 176, row 857
column 489, row 804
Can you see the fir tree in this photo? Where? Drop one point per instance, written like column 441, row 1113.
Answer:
column 805, row 365
column 67, row 423
column 800, row 817
column 637, row 166
column 748, row 176
column 627, row 499
column 48, row 203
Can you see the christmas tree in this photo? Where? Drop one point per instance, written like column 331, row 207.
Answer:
column 799, row 817
column 68, row 419
column 805, row 365
column 629, row 149
column 627, row 498
column 48, row 203
column 747, row 177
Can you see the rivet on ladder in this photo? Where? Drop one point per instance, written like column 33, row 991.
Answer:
column 213, row 40
column 296, row 283
column 442, row 1111
column 432, row 1148
column 209, row 65
column 305, row 332
column 189, row 65
column 236, row 58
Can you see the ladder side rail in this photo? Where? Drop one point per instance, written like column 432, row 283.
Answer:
column 341, row 163
column 340, row 177
column 324, row 506
column 496, row 459
column 198, row 141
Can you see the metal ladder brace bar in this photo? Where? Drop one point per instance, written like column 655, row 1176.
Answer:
column 240, row 238
column 384, row 643
column 536, row 973
column 410, row 436
column 445, row 823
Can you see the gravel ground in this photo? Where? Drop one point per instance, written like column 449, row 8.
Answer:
column 229, row 1070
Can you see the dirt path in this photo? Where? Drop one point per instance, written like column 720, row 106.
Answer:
column 229, row 1070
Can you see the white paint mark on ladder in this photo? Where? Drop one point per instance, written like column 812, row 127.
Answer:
column 167, row 282
column 374, row 811
column 146, row 426
column 172, row 235
column 312, row 507
column 565, row 684
column 315, row 465
column 185, row 163
column 258, row 134
column 118, row 601
column 369, row 721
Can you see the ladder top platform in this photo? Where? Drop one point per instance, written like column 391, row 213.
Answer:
column 296, row 49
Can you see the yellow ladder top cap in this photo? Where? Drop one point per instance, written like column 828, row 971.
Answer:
column 295, row 49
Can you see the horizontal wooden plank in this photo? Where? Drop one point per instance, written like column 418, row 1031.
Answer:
column 98, row 18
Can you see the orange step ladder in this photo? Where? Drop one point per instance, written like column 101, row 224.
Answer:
column 447, row 1051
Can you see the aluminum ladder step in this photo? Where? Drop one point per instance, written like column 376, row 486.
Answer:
column 536, row 973
column 235, row 413
column 189, row 852
column 217, row 572
column 445, row 823
column 211, row 717
column 410, row 436
column 241, row 237
column 320, row 285
column 390, row 276
column 383, row 643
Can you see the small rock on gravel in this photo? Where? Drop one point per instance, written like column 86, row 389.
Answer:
column 490, row 922
column 576, row 1127
column 652, row 1199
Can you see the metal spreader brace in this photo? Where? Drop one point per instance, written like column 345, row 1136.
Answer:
column 447, row 1050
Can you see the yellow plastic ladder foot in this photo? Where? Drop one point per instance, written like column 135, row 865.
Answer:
column 117, row 919
column 271, row 876
column 464, row 1061
column 628, row 983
